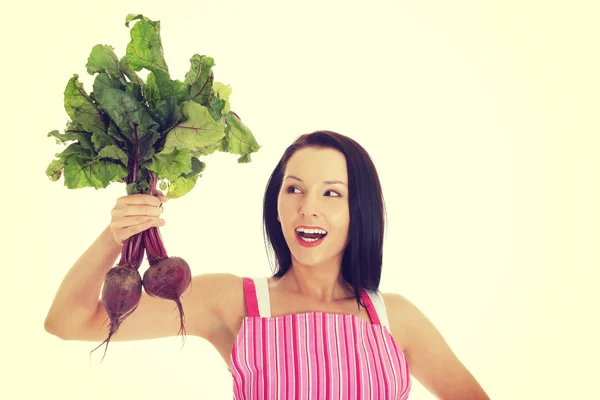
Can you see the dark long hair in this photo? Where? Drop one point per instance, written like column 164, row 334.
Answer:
column 361, row 264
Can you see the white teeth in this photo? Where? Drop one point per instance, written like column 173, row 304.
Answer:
column 321, row 231
column 308, row 240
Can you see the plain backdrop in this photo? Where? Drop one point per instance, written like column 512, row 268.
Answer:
column 481, row 117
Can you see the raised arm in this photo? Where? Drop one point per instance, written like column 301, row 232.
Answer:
column 77, row 313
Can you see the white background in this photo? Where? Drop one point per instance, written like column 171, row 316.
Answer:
column 481, row 118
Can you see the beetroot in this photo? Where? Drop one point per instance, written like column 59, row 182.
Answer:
column 168, row 279
column 121, row 295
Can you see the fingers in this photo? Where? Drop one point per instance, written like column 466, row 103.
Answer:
column 132, row 210
column 136, row 213
column 132, row 221
column 161, row 196
column 123, row 233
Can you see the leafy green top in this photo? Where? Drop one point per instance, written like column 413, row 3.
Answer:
column 139, row 132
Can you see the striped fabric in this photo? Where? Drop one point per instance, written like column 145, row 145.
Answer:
column 316, row 355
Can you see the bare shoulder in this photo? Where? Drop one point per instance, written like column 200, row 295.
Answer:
column 400, row 307
column 399, row 310
column 407, row 320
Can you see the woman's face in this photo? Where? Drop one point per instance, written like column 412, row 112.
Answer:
column 314, row 194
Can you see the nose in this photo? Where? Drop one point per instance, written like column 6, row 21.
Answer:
column 303, row 213
column 309, row 208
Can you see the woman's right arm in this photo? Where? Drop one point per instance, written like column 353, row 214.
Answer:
column 77, row 313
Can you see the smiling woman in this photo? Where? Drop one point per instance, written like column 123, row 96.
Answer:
column 324, row 218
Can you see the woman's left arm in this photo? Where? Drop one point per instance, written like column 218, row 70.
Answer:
column 430, row 359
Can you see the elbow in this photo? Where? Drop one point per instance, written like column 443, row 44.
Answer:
column 66, row 327
column 50, row 327
column 54, row 329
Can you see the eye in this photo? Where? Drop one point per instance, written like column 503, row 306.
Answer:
column 292, row 188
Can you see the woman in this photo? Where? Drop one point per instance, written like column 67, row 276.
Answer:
column 317, row 328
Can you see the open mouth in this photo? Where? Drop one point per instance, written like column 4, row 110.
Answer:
column 310, row 238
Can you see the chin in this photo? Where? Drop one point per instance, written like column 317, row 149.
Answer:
column 309, row 260
column 313, row 261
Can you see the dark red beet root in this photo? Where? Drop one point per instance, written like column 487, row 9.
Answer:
column 168, row 279
column 121, row 295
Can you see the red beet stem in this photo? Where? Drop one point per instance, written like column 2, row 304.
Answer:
column 155, row 249
column 156, row 252
column 132, row 253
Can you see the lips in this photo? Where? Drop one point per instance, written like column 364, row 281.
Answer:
column 301, row 238
column 304, row 243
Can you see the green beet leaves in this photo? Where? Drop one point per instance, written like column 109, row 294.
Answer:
column 137, row 132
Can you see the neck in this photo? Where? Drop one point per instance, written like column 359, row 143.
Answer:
column 316, row 283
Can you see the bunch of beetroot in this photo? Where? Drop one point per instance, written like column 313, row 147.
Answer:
column 166, row 278
column 146, row 133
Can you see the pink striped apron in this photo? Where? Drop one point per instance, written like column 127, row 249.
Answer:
column 316, row 355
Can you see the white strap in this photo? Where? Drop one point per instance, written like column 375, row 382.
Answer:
column 379, row 304
column 262, row 295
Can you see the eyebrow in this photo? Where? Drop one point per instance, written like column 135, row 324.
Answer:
column 325, row 182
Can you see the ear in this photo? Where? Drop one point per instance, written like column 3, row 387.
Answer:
column 278, row 220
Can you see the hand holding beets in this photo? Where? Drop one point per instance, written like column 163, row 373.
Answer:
column 136, row 213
